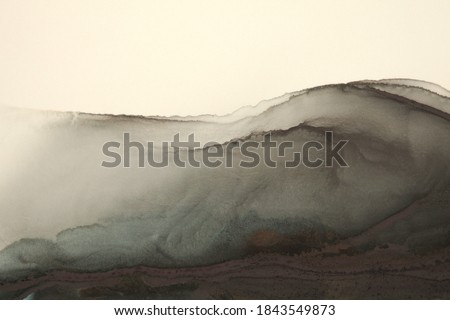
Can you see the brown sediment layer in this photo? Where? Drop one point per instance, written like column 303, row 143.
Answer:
column 381, row 273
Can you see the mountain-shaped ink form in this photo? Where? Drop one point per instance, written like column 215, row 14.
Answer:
column 72, row 228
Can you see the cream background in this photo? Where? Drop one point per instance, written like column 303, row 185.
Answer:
column 193, row 57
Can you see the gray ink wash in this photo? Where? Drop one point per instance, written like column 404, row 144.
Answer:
column 61, row 210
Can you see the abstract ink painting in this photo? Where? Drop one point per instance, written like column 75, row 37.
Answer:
column 330, row 192
column 128, row 169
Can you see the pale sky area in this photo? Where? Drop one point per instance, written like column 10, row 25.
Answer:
column 195, row 57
